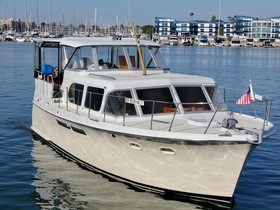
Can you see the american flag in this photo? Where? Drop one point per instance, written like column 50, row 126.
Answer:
column 248, row 97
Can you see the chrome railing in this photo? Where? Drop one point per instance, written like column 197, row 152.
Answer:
column 119, row 106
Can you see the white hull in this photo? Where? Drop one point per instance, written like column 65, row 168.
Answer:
column 165, row 132
column 201, row 169
column 20, row 39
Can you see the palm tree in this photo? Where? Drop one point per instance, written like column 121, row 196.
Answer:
column 213, row 18
column 191, row 15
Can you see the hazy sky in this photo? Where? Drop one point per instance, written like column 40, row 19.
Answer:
column 143, row 12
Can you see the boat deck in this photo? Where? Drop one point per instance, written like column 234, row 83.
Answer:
column 193, row 125
column 182, row 123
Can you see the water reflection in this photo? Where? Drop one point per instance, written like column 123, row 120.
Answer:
column 61, row 184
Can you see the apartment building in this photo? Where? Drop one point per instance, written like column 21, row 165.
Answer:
column 165, row 26
column 244, row 26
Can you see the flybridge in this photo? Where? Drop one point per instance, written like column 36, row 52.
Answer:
column 95, row 54
column 104, row 41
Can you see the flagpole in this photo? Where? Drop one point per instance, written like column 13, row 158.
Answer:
column 253, row 96
column 251, row 89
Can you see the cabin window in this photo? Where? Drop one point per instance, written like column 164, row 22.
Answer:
column 117, row 105
column 65, row 55
column 94, row 98
column 157, row 100
column 192, row 99
column 216, row 97
column 46, row 57
column 156, row 60
column 76, row 93
column 127, row 58
column 50, row 56
column 106, row 58
column 148, row 56
column 82, row 59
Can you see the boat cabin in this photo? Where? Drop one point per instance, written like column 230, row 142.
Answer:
column 118, row 77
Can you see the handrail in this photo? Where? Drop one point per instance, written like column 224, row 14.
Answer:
column 152, row 108
column 152, row 116
column 103, row 76
column 216, row 110
column 267, row 111
column 177, row 105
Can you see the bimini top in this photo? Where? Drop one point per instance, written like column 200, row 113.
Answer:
column 99, row 41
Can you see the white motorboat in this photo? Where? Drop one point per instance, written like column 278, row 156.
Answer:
column 10, row 36
column 173, row 40
column 112, row 105
column 20, row 38
column 203, row 41
column 235, row 42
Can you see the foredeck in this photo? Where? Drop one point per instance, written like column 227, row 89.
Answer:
column 181, row 123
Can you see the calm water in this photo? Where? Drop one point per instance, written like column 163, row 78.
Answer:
column 33, row 176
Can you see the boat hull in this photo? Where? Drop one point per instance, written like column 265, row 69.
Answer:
column 199, row 171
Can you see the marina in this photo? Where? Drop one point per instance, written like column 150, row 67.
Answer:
column 99, row 113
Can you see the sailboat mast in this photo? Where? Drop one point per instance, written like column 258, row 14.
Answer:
column 38, row 20
column 219, row 18
column 128, row 13
column 95, row 13
column 50, row 16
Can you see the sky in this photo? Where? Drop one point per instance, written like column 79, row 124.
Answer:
column 142, row 12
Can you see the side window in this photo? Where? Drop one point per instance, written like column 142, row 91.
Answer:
column 50, row 56
column 157, row 100
column 76, row 93
column 193, row 98
column 94, row 98
column 117, row 105
column 66, row 53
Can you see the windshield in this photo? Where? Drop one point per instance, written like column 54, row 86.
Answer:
column 193, row 99
column 108, row 57
column 216, row 97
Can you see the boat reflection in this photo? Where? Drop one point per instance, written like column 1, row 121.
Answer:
column 61, row 184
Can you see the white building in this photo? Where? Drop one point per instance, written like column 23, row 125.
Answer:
column 207, row 29
column 165, row 26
